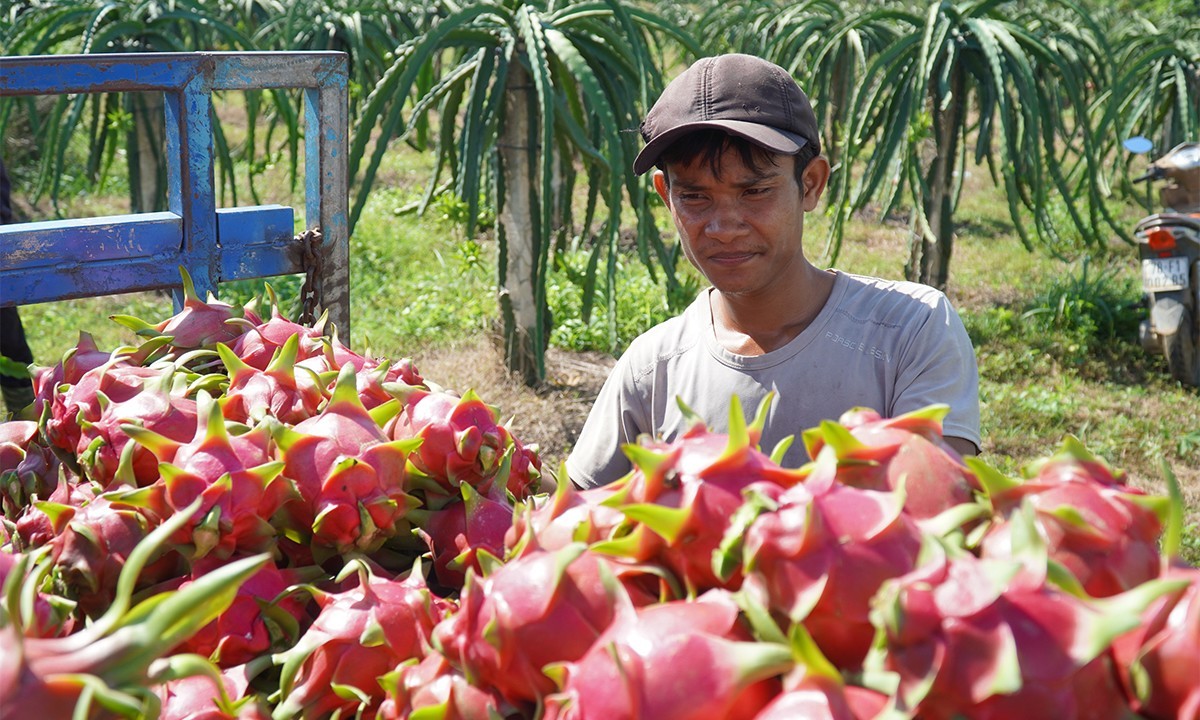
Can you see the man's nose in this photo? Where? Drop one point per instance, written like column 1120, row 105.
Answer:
column 725, row 222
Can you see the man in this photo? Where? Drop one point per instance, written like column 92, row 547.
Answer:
column 737, row 153
column 16, row 391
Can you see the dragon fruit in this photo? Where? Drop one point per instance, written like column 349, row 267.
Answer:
column 235, row 475
column 521, row 469
column 92, row 544
column 198, row 697
column 281, row 390
column 37, row 524
column 990, row 638
column 814, row 689
column 375, row 375
column 105, row 452
column 461, row 438
column 360, row 635
column 110, row 661
column 884, row 453
column 198, row 324
column 1160, row 660
column 28, row 471
column 456, row 533
column 684, row 493
column 351, row 478
column 681, row 660
column 72, row 405
column 260, row 342
column 436, row 688
column 77, row 361
column 821, row 554
column 566, row 516
column 254, row 621
column 540, row 608
column 1104, row 532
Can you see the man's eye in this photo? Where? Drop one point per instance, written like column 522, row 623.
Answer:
column 758, row 190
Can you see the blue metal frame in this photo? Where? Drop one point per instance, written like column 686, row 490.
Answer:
column 62, row 259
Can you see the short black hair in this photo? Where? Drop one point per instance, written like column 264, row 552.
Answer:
column 708, row 145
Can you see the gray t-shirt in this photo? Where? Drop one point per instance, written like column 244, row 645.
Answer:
column 880, row 344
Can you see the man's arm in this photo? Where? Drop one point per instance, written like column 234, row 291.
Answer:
column 962, row 446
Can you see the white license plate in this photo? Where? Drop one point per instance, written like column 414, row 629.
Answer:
column 1165, row 273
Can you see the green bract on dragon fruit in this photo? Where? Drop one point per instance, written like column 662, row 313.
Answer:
column 244, row 518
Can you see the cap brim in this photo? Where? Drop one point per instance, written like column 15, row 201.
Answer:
column 766, row 137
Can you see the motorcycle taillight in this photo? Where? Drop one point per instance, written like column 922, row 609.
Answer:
column 1160, row 239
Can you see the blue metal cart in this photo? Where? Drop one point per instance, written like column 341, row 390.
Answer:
column 62, row 259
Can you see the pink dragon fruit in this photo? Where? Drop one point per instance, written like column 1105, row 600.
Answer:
column 461, row 438
column 50, row 615
column 521, row 469
column 234, row 474
column 70, row 406
column 884, row 453
column 351, row 478
column 253, row 622
column 993, row 639
column 567, row 516
column 28, row 471
column 821, row 556
column 209, row 695
column 281, row 390
column 198, row 325
column 360, row 635
column 260, row 342
column 375, row 375
column 75, row 363
column 105, row 452
column 814, row 690
column 1105, row 533
column 1159, row 661
column 436, row 688
column 683, row 495
column 681, row 660
column 110, row 661
column 540, row 608
column 91, row 545
column 38, row 523
column 456, row 533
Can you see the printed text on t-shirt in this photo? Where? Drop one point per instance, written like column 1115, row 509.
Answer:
column 862, row 347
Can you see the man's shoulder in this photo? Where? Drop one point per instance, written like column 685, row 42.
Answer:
column 874, row 295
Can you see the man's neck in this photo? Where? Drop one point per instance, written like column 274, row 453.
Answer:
column 756, row 326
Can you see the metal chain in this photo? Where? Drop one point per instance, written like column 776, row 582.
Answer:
column 312, row 261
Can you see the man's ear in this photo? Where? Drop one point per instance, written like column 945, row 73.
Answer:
column 660, row 185
column 815, row 177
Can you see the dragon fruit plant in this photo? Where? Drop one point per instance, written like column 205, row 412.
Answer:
column 244, row 518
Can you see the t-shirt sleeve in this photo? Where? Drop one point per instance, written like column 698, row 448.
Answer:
column 616, row 418
column 941, row 369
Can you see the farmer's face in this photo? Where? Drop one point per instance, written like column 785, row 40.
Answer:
column 743, row 230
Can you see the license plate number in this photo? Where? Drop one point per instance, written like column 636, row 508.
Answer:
column 1165, row 273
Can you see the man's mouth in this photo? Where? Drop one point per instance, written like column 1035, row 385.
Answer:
column 731, row 258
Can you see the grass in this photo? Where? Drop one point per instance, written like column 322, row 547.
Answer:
column 1055, row 340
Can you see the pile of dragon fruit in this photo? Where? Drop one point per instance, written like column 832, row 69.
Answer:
column 242, row 518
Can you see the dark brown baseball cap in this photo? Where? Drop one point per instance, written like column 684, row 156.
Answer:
column 740, row 94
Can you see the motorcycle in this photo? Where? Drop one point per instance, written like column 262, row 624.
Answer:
column 1169, row 250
